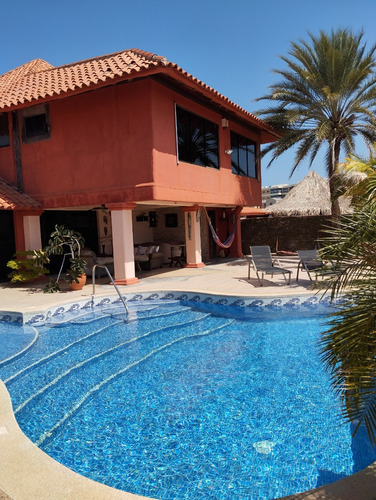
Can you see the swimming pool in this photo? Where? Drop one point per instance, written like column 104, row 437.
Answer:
column 185, row 400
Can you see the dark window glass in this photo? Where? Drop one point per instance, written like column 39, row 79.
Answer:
column 197, row 139
column 4, row 130
column 243, row 156
column 36, row 125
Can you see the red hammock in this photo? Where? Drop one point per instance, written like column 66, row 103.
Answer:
column 230, row 239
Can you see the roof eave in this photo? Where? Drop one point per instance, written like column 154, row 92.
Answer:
column 267, row 133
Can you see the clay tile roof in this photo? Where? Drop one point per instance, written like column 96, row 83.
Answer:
column 12, row 199
column 38, row 80
column 253, row 212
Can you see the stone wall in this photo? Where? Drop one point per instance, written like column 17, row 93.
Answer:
column 293, row 233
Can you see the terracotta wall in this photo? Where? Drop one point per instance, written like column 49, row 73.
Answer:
column 194, row 183
column 119, row 144
column 100, row 143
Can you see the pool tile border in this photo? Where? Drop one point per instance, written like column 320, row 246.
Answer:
column 283, row 302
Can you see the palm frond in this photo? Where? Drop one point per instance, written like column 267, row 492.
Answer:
column 328, row 90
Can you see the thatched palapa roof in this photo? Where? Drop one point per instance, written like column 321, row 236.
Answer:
column 311, row 196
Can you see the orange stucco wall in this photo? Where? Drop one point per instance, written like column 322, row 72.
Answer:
column 118, row 144
column 99, row 150
column 193, row 183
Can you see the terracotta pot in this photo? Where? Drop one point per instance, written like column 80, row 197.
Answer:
column 81, row 283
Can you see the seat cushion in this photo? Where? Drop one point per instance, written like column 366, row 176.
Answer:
column 156, row 255
column 104, row 261
column 141, row 258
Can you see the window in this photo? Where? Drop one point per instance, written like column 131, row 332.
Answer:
column 243, row 156
column 4, row 130
column 197, row 139
column 35, row 124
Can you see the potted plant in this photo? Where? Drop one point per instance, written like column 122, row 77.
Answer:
column 28, row 265
column 75, row 275
column 67, row 242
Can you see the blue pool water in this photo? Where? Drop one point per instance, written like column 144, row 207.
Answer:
column 183, row 401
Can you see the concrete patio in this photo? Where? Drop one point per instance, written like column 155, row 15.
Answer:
column 229, row 277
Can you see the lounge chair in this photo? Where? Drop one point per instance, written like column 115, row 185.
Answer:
column 262, row 262
column 311, row 262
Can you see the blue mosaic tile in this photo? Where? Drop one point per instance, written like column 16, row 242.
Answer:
column 183, row 296
column 247, row 303
column 256, row 303
column 88, row 305
column 168, row 296
column 153, row 296
column 237, row 303
column 11, row 318
column 103, row 302
column 221, row 302
column 58, row 311
column 38, row 319
column 136, row 297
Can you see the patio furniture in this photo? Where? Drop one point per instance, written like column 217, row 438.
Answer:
column 91, row 258
column 147, row 256
column 177, row 256
column 311, row 262
column 263, row 263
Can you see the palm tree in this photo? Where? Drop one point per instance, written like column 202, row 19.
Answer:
column 326, row 97
column 357, row 177
column 349, row 345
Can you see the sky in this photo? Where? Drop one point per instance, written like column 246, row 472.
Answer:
column 231, row 45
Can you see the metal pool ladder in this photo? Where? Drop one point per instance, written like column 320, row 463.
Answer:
column 112, row 281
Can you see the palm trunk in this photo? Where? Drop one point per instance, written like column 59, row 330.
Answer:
column 335, row 146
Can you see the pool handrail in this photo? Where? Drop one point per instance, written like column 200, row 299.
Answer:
column 112, row 281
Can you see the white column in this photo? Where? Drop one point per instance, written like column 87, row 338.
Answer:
column 122, row 240
column 193, row 236
column 32, row 234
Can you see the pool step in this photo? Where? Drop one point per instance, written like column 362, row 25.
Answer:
column 122, row 369
column 77, row 384
column 55, row 343
column 92, row 348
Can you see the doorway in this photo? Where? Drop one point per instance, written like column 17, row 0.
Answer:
column 7, row 243
column 85, row 222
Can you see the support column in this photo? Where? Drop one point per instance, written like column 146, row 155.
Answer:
column 236, row 247
column 27, row 229
column 33, row 238
column 193, row 236
column 122, row 241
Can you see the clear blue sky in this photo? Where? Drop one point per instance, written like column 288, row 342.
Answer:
column 231, row 45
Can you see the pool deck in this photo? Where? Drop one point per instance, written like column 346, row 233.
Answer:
column 27, row 473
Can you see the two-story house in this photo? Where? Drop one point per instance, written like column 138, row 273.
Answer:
column 119, row 142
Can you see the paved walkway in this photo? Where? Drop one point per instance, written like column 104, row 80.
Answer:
column 222, row 277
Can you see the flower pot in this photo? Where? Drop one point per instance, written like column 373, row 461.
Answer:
column 81, row 283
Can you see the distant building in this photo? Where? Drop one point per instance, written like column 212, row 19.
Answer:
column 272, row 194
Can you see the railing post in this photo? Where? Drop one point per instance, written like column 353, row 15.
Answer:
column 112, row 281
